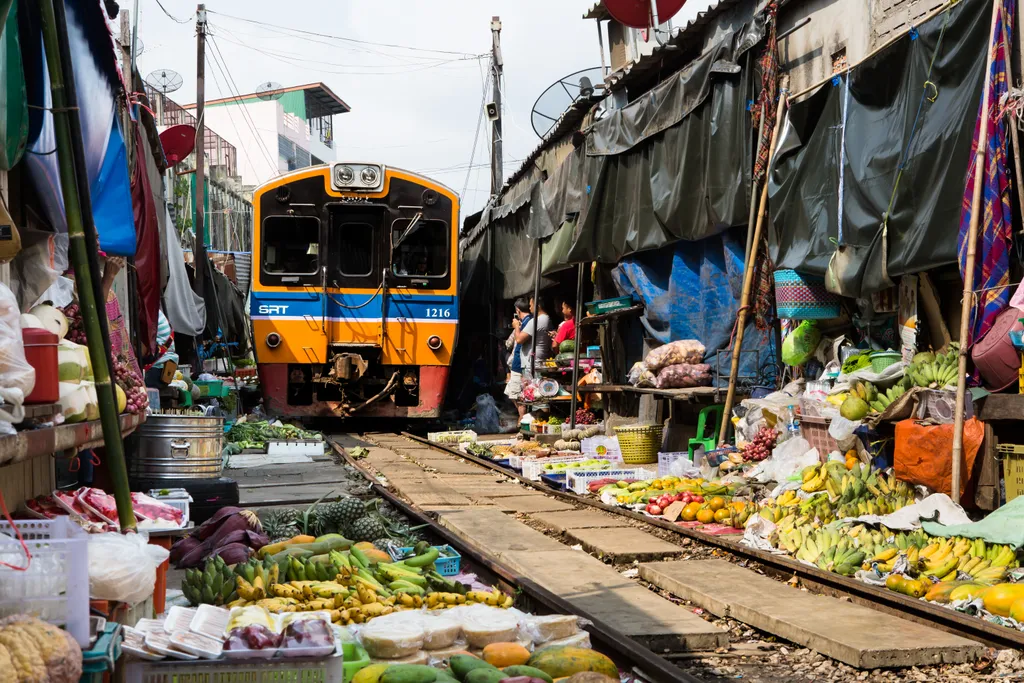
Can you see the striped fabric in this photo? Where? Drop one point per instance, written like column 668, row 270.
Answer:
column 992, row 261
column 163, row 336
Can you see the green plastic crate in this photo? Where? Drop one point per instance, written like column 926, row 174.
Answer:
column 609, row 305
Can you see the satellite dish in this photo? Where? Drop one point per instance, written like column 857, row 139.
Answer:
column 637, row 13
column 139, row 45
column 560, row 95
column 269, row 91
column 164, row 80
column 178, row 142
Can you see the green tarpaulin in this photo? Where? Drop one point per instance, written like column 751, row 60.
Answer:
column 13, row 98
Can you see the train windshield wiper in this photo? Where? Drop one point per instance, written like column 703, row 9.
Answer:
column 414, row 225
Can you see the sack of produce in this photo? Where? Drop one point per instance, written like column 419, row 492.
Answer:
column 683, row 376
column 684, row 351
column 800, row 345
column 640, row 376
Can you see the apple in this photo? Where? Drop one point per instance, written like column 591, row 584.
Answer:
column 654, row 509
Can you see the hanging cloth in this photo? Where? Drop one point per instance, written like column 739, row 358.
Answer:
column 147, row 254
column 995, row 229
column 13, row 98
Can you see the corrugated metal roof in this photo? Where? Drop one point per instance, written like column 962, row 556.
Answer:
column 598, row 11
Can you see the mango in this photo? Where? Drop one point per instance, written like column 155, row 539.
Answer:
column 523, row 670
column 409, row 673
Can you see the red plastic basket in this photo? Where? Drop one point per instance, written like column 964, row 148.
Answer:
column 815, row 430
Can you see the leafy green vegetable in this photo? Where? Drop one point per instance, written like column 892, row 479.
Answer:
column 256, row 433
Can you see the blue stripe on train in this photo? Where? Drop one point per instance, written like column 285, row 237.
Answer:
column 353, row 307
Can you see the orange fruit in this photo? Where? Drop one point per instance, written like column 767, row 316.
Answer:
column 716, row 503
column 690, row 512
column 738, row 505
column 723, row 514
column 706, row 516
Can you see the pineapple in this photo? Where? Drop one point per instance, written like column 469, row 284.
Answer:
column 280, row 524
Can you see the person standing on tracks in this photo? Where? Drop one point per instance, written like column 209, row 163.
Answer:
column 514, row 388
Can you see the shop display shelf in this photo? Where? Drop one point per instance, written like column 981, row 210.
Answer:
column 34, row 443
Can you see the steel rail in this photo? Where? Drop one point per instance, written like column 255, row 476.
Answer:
column 644, row 661
column 882, row 599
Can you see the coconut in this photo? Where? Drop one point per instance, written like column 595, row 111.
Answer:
column 854, row 409
column 74, row 401
column 51, row 319
column 72, row 362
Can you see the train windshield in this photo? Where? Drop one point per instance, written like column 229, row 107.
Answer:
column 291, row 245
column 421, row 248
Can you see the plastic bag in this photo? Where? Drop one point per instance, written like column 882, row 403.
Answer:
column 123, row 567
column 684, row 351
column 487, row 418
column 17, row 377
column 640, row 376
column 684, row 375
column 799, row 346
column 789, row 457
column 915, row 460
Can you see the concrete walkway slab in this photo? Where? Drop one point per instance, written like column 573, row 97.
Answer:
column 853, row 634
column 585, row 582
column 430, row 492
column 459, row 468
column 624, row 544
column 579, row 519
column 529, row 504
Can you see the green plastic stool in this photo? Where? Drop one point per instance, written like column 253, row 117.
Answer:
column 709, row 441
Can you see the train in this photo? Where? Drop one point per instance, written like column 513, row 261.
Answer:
column 354, row 298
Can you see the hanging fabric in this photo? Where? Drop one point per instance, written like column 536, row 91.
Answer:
column 992, row 266
column 147, row 256
column 13, row 100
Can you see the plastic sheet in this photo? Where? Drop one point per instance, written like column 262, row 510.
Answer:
column 17, row 377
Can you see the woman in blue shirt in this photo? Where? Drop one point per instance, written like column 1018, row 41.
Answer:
column 514, row 387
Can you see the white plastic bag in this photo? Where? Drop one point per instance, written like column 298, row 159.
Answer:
column 17, row 377
column 787, row 458
column 123, row 567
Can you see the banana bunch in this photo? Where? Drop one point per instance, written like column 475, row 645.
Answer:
column 214, row 584
column 865, row 391
column 889, row 396
column 495, row 598
column 935, row 371
column 814, row 478
column 308, row 569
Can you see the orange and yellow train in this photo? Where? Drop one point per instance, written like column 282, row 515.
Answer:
column 354, row 300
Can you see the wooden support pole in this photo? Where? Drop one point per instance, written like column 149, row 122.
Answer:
column 972, row 238
column 748, row 278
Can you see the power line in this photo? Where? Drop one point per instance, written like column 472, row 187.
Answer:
column 479, row 124
column 171, row 16
column 342, row 38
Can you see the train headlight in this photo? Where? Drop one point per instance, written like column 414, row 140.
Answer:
column 369, row 176
column 345, row 175
column 434, row 342
column 273, row 340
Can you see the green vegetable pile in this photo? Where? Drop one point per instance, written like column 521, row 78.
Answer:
column 256, row 433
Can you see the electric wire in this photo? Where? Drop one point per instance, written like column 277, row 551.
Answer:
column 171, row 16
column 342, row 38
column 479, row 123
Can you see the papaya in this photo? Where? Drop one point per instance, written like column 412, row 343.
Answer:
column 1017, row 611
column 461, row 665
column 370, row 674
column 375, row 556
column 968, row 591
column 1000, row 598
column 560, row 661
column 409, row 673
column 365, row 545
column 523, row 670
column 941, row 591
column 506, row 654
column 491, row 675
column 275, row 548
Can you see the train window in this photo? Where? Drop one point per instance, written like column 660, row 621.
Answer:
column 357, row 249
column 291, row 245
column 420, row 249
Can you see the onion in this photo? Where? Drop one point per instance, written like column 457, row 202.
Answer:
column 51, row 319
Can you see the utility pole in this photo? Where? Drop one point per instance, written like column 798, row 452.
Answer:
column 200, row 203
column 497, row 169
column 126, row 68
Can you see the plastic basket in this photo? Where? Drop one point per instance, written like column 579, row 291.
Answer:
column 815, row 430
column 601, row 447
column 451, row 438
column 880, row 361
column 534, row 467
column 210, row 387
column 56, row 586
column 577, row 481
column 1012, row 456
column 665, row 461
column 804, row 297
column 449, row 564
column 277, row 670
column 639, row 444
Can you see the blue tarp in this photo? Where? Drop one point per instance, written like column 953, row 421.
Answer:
column 691, row 290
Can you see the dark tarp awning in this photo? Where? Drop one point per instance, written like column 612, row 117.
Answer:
column 879, row 101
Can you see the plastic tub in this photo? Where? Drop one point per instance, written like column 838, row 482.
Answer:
column 326, row 670
column 880, row 361
column 356, row 659
column 41, row 354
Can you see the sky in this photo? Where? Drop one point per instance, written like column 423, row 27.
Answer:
column 417, row 109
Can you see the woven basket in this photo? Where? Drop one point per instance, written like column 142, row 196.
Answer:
column 880, row 361
column 639, row 444
column 804, row 297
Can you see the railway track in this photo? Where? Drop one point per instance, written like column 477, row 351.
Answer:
column 784, row 568
column 646, row 664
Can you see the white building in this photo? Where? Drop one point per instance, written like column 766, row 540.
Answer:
column 292, row 129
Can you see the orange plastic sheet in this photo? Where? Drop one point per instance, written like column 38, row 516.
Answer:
column 924, row 453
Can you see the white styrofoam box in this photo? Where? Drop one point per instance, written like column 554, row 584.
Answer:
column 577, row 481
column 606, row 447
column 55, row 587
column 309, row 448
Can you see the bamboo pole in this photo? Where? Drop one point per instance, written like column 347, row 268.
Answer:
column 82, row 247
column 1014, row 139
column 972, row 238
column 748, row 278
